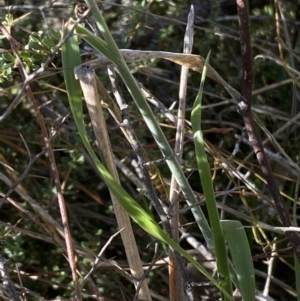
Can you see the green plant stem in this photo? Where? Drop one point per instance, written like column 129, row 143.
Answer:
column 110, row 49
column 207, row 185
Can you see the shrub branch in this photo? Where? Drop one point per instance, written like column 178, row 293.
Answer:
column 244, row 108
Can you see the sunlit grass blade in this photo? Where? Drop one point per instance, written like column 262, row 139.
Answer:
column 110, row 49
column 70, row 58
column 239, row 248
column 207, row 185
column 297, row 273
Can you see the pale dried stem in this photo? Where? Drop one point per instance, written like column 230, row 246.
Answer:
column 176, row 282
column 87, row 78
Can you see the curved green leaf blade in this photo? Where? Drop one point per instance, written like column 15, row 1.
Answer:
column 235, row 235
column 208, row 189
column 71, row 59
column 110, row 50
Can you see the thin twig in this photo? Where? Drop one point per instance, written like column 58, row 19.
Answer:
column 270, row 264
column 7, row 283
column 85, row 279
column 176, row 282
column 33, row 7
column 151, row 265
column 15, row 46
column 138, row 148
column 244, row 108
column 178, row 262
column 39, row 71
column 23, row 176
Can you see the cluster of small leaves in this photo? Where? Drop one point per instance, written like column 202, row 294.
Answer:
column 7, row 63
column 38, row 48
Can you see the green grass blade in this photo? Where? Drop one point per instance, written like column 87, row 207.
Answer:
column 71, row 59
column 237, row 241
column 207, row 185
column 109, row 49
column 297, row 273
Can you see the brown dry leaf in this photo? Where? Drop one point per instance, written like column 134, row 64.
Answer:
column 223, row 131
column 192, row 61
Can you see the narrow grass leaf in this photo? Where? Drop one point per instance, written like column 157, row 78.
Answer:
column 71, row 59
column 237, row 241
column 297, row 273
column 207, row 185
column 115, row 56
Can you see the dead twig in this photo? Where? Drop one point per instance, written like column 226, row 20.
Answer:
column 15, row 46
column 244, row 108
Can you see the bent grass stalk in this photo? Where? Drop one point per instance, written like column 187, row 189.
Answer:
column 71, row 59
